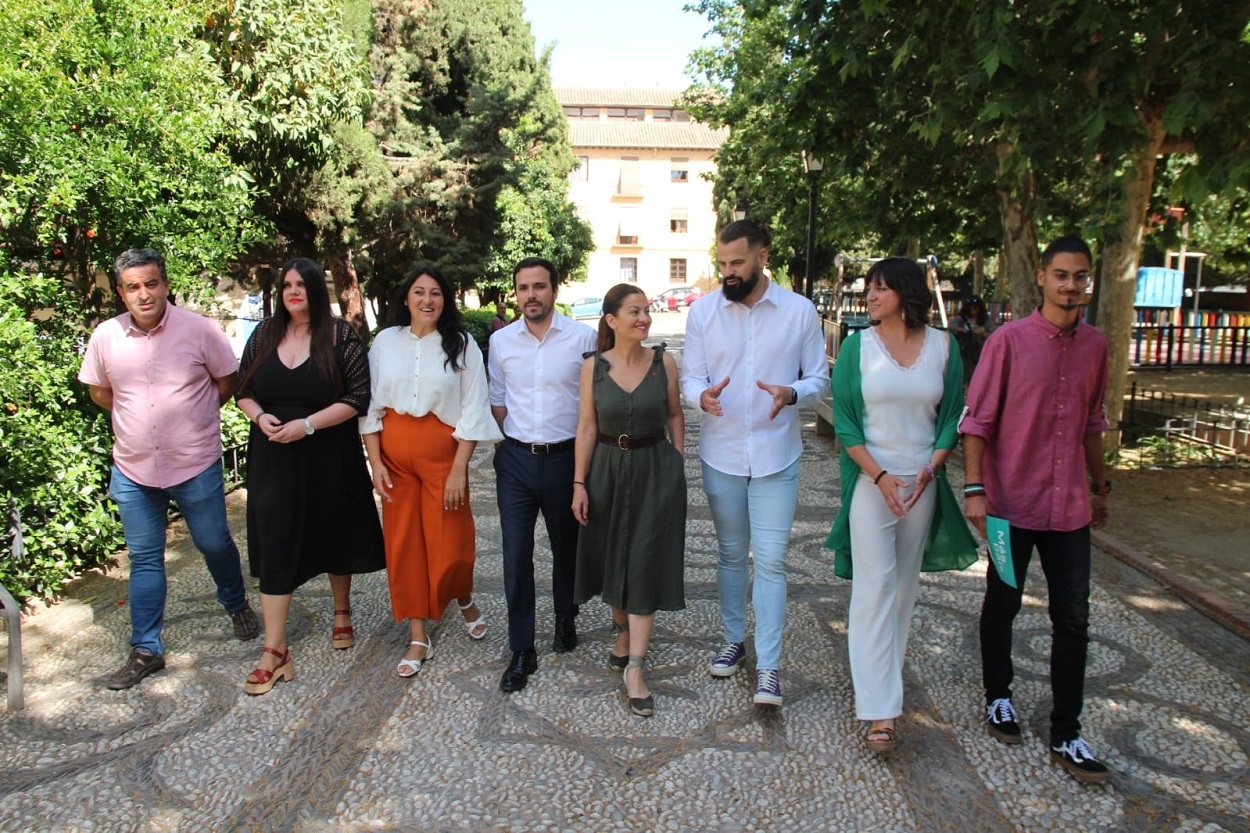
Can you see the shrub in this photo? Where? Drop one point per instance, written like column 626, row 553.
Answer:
column 478, row 321
column 54, row 444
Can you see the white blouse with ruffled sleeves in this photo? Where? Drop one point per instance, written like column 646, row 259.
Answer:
column 410, row 375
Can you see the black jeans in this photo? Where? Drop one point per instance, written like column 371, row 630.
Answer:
column 1065, row 561
column 527, row 484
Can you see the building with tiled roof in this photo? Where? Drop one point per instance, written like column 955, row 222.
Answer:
column 644, row 185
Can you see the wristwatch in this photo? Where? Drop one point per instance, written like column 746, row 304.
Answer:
column 1104, row 491
column 794, row 396
column 308, row 426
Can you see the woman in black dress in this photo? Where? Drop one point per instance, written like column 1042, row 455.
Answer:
column 310, row 509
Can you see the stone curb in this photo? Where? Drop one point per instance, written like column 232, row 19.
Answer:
column 1206, row 601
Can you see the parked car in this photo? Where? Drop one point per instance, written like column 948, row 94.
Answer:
column 588, row 307
column 671, row 300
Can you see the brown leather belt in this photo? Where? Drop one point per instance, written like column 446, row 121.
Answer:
column 628, row 443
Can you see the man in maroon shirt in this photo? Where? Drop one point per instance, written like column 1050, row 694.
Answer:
column 1032, row 428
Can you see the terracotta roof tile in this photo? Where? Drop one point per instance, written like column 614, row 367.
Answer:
column 634, row 134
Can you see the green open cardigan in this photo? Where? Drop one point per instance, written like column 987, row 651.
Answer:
column 950, row 545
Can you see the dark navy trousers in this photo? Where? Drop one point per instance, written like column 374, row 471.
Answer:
column 527, row 484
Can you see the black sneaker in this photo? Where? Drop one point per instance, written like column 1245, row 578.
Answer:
column 139, row 665
column 245, row 625
column 1001, row 721
column 1077, row 758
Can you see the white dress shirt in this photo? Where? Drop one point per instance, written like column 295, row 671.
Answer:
column 778, row 341
column 408, row 375
column 537, row 381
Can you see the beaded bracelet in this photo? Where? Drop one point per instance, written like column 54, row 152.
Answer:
column 929, row 469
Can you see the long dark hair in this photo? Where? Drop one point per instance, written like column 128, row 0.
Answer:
column 904, row 276
column 450, row 322
column 320, row 325
column 612, row 306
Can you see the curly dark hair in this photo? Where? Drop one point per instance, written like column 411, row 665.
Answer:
column 904, row 276
column 450, row 322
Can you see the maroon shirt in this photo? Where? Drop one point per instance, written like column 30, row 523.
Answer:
column 1036, row 394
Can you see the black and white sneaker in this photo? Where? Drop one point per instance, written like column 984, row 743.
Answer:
column 1077, row 758
column 1001, row 721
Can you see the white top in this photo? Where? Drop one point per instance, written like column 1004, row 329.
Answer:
column 407, row 374
column 537, row 381
column 901, row 403
column 778, row 341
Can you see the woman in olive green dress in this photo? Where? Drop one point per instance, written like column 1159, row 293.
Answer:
column 629, row 484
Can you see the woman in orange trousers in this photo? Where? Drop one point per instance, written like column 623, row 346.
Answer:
column 428, row 411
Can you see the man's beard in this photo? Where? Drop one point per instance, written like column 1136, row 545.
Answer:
column 743, row 288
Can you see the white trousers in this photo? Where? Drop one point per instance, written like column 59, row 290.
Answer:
column 886, row 552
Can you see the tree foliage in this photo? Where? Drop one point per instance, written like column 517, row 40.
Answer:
column 1047, row 114
column 465, row 118
column 110, row 139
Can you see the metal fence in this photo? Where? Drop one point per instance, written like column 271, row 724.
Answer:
column 1161, row 429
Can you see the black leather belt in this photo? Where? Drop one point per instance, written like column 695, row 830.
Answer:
column 628, row 443
column 543, row 448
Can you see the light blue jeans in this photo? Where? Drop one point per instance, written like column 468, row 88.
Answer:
column 753, row 514
column 144, row 511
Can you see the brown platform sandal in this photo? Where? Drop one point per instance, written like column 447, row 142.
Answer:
column 886, row 744
column 260, row 681
column 342, row 637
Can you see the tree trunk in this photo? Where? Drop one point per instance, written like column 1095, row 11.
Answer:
column 978, row 272
column 347, row 287
column 913, row 248
column 1016, row 196
column 1120, row 257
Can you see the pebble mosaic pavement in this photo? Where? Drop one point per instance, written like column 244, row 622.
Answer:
column 348, row 745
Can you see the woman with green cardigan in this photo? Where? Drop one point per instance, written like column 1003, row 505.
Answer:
column 897, row 398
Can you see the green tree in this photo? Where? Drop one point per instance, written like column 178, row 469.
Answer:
column 462, row 109
column 111, row 139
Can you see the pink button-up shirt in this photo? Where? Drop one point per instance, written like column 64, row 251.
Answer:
column 1036, row 394
column 166, row 409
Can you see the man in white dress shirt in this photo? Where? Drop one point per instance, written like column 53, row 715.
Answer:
column 535, row 365
column 753, row 352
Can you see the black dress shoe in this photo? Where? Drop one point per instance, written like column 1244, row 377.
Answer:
column 136, row 668
column 518, row 671
column 565, row 639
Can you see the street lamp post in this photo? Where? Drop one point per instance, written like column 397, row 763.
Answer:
column 813, row 165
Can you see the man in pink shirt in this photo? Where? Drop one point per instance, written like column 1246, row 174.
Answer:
column 1032, row 428
column 164, row 374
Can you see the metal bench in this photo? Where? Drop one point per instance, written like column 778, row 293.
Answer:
column 13, row 614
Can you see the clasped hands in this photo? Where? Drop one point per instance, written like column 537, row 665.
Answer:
column 281, row 432
column 892, row 489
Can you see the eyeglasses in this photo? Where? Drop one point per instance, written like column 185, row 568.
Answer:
column 1075, row 280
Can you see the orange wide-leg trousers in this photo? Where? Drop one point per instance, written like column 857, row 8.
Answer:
column 429, row 549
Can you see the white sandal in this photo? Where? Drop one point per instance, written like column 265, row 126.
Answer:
column 410, row 667
column 480, row 622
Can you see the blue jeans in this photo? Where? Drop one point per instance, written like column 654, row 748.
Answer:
column 144, row 512
column 753, row 514
column 1065, row 562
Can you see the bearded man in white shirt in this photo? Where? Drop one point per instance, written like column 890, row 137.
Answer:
column 753, row 352
column 535, row 366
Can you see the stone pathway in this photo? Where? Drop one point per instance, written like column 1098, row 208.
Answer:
column 348, row 745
